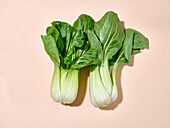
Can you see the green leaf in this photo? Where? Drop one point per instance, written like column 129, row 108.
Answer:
column 132, row 44
column 86, row 59
column 63, row 27
column 134, row 51
column 77, row 39
column 95, row 44
column 115, row 43
column 51, row 48
column 57, row 37
column 84, row 22
column 127, row 45
column 110, row 32
column 87, row 46
column 140, row 41
column 72, row 38
column 65, row 30
column 78, row 44
column 68, row 59
column 78, row 52
column 114, row 58
column 53, row 32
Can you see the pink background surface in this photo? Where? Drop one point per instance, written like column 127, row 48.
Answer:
column 26, row 70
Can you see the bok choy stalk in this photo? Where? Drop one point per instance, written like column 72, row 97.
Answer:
column 113, row 45
column 69, row 50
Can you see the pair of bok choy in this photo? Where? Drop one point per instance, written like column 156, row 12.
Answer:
column 98, row 45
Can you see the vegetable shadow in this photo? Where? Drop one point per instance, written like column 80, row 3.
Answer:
column 84, row 73
column 119, row 99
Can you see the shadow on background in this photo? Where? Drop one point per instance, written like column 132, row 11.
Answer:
column 119, row 99
column 84, row 72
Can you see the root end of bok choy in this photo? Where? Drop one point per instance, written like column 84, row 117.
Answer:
column 64, row 86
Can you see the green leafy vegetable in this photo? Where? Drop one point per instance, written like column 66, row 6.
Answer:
column 113, row 45
column 69, row 49
column 99, row 45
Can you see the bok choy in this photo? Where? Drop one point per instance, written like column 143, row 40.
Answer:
column 98, row 45
column 113, row 44
column 69, row 50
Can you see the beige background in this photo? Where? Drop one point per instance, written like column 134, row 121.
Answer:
column 26, row 70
